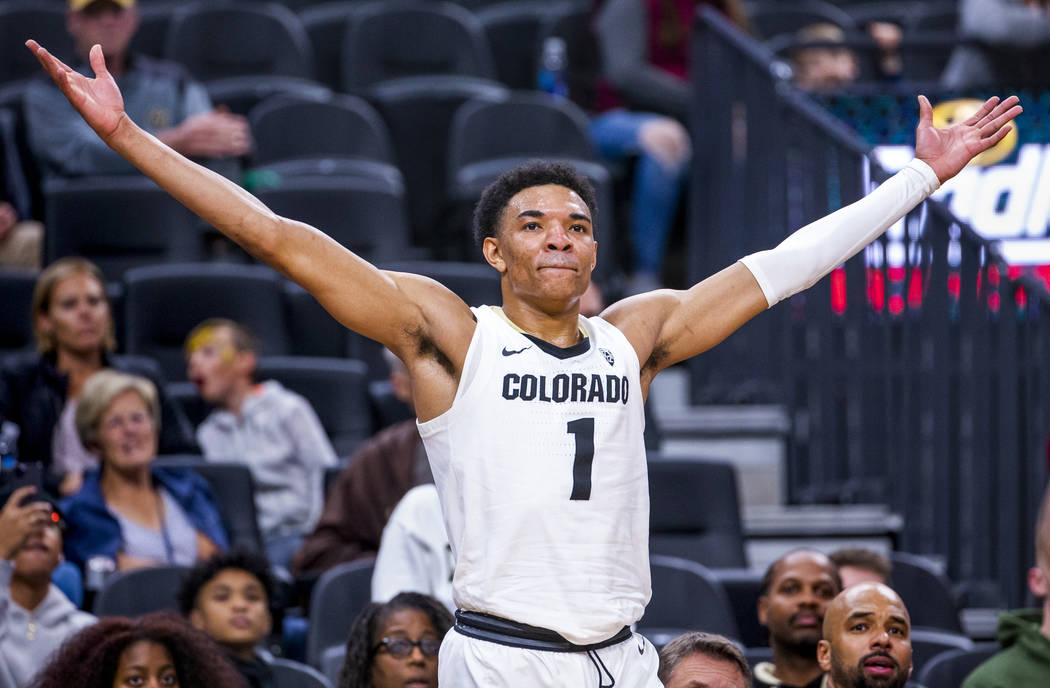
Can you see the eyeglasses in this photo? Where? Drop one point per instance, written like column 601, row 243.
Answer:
column 402, row 647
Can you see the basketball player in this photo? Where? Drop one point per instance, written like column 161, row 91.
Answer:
column 532, row 415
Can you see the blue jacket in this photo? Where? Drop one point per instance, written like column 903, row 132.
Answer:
column 93, row 530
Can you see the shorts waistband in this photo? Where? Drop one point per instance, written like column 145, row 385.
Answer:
column 513, row 634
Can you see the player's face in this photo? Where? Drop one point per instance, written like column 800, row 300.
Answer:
column 105, row 23
column 415, row 670
column 700, row 671
column 77, row 316
column 545, row 247
column 869, row 643
column 232, row 609
column 793, row 610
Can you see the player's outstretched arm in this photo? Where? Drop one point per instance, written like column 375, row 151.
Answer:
column 668, row 326
column 377, row 304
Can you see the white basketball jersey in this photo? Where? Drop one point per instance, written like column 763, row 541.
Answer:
column 540, row 465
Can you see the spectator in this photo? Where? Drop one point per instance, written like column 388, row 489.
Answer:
column 703, row 659
column 987, row 27
column 130, row 511
column 20, row 240
column 796, row 590
column 867, row 639
column 859, row 565
column 158, row 96
column 272, row 430
column 415, row 554
column 229, row 598
column 396, row 644
column 158, row 649
column 822, row 61
column 40, row 392
column 1024, row 634
column 35, row 616
column 366, row 491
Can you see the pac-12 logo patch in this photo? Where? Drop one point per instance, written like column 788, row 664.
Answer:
column 608, row 356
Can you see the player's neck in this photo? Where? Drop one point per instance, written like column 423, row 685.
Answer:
column 794, row 670
column 561, row 330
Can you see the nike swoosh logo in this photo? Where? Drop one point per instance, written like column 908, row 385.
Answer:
column 508, row 352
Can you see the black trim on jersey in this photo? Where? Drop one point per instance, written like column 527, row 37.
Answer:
column 559, row 352
column 513, row 634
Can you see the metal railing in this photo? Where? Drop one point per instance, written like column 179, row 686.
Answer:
column 916, row 375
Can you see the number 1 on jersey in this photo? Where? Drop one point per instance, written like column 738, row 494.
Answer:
column 583, row 430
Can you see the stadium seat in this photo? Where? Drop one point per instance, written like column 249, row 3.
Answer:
column 187, row 396
column 743, row 588
column 925, row 55
column 695, row 513
column 140, row 591
column 241, row 94
column 927, row 644
column 41, row 21
column 488, row 137
column 222, row 40
column 118, row 222
column 16, row 167
column 155, row 17
column 899, row 12
column 340, row 135
column 234, row 491
column 336, row 388
column 950, row 668
column 771, row 18
column 289, row 674
column 313, row 331
column 513, row 32
column 332, row 660
column 338, row 597
column 164, row 302
column 16, row 327
column 326, row 25
column 686, row 597
column 365, row 214
column 391, row 40
column 572, row 23
column 937, row 16
column 926, row 593
column 418, row 112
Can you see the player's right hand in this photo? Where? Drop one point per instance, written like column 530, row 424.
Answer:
column 97, row 100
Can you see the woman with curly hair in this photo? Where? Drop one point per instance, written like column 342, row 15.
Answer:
column 396, row 643
column 157, row 649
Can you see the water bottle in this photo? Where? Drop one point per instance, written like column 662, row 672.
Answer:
column 553, row 62
column 97, row 570
column 8, row 453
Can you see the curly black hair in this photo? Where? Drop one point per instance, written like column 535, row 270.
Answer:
column 357, row 667
column 252, row 563
column 89, row 659
column 494, row 198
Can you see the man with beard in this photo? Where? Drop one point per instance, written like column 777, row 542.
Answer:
column 795, row 593
column 867, row 639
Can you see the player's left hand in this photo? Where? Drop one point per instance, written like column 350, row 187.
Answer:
column 949, row 150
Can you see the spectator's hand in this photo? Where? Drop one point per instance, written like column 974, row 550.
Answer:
column 666, row 140
column 8, row 217
column 215, row 134
column 16, row 522
column 71, row 483
column 949, row 150
column 97, row 100
column 887, row 36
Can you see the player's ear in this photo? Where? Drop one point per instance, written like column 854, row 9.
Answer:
column 490, row 247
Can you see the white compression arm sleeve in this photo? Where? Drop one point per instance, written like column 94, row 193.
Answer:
column 815, row 250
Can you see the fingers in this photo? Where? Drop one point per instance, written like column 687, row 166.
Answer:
column 15, row 500
column 997, row 123
column 925, row 112
column 983, row 112
column 1003, row 107
column 98, row 61
column 996, row 137
column 50, row 63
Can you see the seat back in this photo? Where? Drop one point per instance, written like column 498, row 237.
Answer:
column 512, row 30
column 950, row 668
column 337, row 598
column 743, row 588
column 43, row 22
column 342, row 127
column 927, row 644
column 164, row 302
column 572, row 23
column 118, row 223
column 686, row 597
column 694, row 512
column 313, row 331
column 476, row 283
column 337, row 389
column 289, row 674
column 216, row 41
column 16, row 327
column 772, row 18
column 140, row 591
column 151, row 37
column 391, row 40
column 326, row 25
column 332, row 660
column 926, row 593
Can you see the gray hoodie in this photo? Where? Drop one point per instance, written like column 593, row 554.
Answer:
column 28, row 639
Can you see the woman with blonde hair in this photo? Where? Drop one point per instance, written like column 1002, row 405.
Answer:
column 129, row 510
column 39, row 391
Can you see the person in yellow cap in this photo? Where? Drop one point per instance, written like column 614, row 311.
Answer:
column 161, row 97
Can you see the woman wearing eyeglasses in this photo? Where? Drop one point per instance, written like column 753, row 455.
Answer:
column 395, row 644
